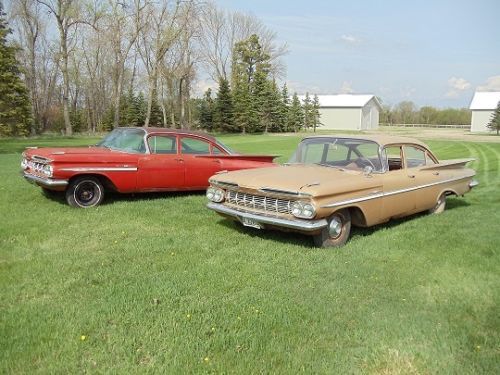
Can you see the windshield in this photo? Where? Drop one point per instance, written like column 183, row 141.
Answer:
column 128, row 140
column 342, row 153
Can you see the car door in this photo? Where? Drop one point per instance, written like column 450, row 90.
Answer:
column 198, row 168
column 162, row 168
column 427, row 181
column 399, row 184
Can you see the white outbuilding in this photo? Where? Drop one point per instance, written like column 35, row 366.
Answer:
column 348, row 111
column 483, row 105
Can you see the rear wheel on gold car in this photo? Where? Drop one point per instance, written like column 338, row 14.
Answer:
column 336, row 233
column 440, row 205
column 86, row 191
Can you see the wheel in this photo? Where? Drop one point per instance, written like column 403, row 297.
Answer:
column 337, row 232
column 440, row 205
column 85, row 192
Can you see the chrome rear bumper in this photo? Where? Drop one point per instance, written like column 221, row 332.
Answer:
column 297, row 224
column 46, row 182
column 473, row 183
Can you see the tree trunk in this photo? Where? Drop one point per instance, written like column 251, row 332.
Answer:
column 118, row 94
column 64, row 71
column 181, row 103
column 152, row 92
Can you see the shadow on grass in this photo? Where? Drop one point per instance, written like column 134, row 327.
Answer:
column 305, row 240
column 113, row 197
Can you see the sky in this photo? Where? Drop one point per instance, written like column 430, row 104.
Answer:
column 430, row 52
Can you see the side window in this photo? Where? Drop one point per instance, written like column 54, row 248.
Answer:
column 394, row 160
column 415, row 157
column 162, row 144
column 194, row 146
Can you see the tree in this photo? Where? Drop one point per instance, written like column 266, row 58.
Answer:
column 494, row 123
column 296, row 114
column 66, row 13
column 15, row 107
column 224, row 111
column 316, row 115
column 207, row 111
column 308, row 112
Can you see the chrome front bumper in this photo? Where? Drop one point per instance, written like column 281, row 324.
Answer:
column 48, row 182
column 297, row 224
column 473, row 183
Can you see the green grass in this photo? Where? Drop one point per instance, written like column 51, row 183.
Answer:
column 157, row 283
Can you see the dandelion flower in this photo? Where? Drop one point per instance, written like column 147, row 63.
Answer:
column 83, row 337
column 206, row 359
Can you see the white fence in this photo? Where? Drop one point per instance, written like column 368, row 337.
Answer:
column 427, row 126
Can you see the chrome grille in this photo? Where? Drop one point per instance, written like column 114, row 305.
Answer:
column 258, row 202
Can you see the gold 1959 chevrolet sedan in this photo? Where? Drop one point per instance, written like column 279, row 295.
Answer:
column 333, row 182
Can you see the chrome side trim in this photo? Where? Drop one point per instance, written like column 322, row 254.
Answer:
column 394, row 192
column 44, row 181
column 100, row 169
column 473, row 183
column 302, row 225
column 354, row 200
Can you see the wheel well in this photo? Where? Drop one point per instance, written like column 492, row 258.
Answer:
column 105, row 181
column 357, row 216
column 449, row 192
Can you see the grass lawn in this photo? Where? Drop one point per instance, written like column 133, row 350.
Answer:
column 157, row 283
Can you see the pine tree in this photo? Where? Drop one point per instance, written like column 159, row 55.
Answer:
column 250, row 81
column 494, row 123
column 207, row 111
column 284, row 109
column 16, row 118
column 308, row 112
column 156, row 117
column 223, row 112
column 316, row 113
column 296, row 114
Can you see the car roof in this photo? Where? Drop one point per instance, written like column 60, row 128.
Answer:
column 151, row 130
column 381, row 139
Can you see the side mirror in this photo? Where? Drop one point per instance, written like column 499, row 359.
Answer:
column 368, row 170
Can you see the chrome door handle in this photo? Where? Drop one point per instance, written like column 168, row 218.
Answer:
column 217, row 161
column 436, row 173
column 411, row 175
column 179, row 160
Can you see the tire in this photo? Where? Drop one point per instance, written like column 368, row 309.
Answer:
column 85, row 192
column 337, row 232
column 440, row 205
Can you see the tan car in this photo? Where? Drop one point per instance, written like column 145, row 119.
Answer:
column 332, row 183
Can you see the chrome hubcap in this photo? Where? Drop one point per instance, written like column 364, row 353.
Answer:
column 335, row 227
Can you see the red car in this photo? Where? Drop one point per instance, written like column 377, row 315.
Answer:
column 132, row 160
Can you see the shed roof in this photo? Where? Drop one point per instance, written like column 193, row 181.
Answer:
column 345, row 100
column 485, row 100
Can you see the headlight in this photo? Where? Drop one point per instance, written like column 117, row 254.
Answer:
column 303, row 210
column 24, row 163
column 215, row 194
column 47, row 170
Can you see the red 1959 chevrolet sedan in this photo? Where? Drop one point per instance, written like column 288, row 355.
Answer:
column 131, row 160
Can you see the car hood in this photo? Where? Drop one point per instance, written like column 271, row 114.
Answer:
column 80, row 154
column 299, row 179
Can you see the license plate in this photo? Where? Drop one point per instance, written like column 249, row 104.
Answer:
column 250, row 223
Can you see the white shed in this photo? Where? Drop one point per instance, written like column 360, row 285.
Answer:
column 348, row 111
column 483, row 105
